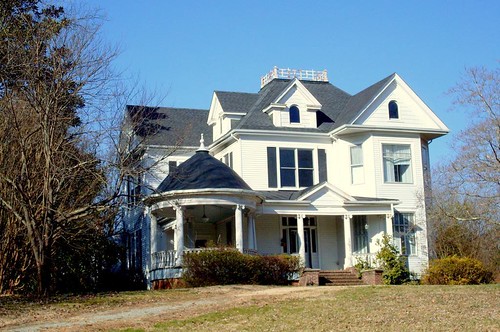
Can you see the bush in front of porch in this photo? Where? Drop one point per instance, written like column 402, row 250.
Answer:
column 395, row 270
column 225, row 266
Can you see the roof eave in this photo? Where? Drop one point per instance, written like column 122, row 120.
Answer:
column 350, row 129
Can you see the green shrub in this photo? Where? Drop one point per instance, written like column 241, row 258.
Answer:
column 395, row 270
column 455, row 270
column 274, row 270
column 225, row 266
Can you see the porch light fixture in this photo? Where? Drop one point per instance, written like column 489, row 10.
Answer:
column 204, row 218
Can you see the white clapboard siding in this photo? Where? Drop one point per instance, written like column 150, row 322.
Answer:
column 412, row 114
column 254, row 156
column 327, row 243
column 268, row 234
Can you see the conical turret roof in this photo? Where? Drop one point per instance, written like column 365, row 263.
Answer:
column 202, row 171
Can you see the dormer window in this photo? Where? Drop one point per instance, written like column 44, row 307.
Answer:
column 393, row 110
column 294, row 114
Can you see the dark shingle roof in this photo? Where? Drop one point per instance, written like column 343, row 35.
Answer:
column 236, row 102
column 331, row 98
column 202, row 171
column 169, row 126
column 182, row 127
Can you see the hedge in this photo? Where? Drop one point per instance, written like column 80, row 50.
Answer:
column 224, row 266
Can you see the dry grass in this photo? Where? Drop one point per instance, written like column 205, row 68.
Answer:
column 258, row 308
column 402, row 308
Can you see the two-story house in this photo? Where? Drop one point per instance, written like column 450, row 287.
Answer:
column 299, row 167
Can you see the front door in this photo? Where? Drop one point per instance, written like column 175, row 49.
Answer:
column 290, row 239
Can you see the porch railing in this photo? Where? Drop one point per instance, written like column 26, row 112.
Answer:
column 167, row 258
column 163, row 259
column 369, row 258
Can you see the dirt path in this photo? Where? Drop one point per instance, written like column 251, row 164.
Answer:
column 144, row 314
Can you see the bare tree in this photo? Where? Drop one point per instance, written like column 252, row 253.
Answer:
column 466, row 191
column 53, row 70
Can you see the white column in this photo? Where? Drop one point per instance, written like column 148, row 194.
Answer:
column 252, row 240
column 302, row 244
column 153, row 236
column 388, row 225
column 179, row 234
column 347, row 241
column 238, row 226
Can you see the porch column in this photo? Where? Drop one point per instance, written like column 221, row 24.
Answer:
column 347, row 241
column 388, row 224
column 179, row 234
column 252, row 241
column 300, row 231
column 238, row 226
column 153, row 239
column 153, row 235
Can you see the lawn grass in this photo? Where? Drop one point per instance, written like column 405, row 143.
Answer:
column 397, row 308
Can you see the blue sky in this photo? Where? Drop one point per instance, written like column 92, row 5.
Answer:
column 187, row 49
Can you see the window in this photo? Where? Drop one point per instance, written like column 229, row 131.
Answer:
column 296, row 163
column 393, row 110
column 294, row 114
column 404, row 233
column 228, row 159
column 360, row 235
column 357, row 173
column 397, row 163
column 134, row 250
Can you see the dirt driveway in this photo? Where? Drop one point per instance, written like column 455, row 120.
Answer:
column 163, row 307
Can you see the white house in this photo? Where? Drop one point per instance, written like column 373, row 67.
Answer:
column 299, row 167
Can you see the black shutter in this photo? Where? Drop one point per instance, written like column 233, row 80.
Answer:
column 323, row 175
column 272, row 174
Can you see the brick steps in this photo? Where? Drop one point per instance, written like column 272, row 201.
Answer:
column 339, row 278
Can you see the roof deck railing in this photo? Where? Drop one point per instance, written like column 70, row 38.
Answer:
column 301, row 74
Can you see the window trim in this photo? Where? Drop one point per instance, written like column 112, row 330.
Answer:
column 410, row 168
column 296, row 167
column 359, row 165
column 407, row 238
column 295, row 116
column 393, row 109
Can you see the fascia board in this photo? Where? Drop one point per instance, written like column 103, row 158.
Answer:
column 308, row 95
column 347, row 129
column 374, row 98
column 213, row 106
column 422, row 104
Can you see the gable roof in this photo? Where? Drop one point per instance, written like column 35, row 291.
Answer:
column 202, row 171
column 236, row 102
column 168, row 126
column 359, row 101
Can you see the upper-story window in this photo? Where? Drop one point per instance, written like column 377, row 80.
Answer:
column 290, row 167
column 296, row 164
column 357, row 173
column 393, row 110
column 397, row 163
column 294, row 114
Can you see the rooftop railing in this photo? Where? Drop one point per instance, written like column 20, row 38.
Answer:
column 301, row 74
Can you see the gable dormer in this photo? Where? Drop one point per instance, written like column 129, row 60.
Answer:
column 294, row 107
column 227, row 109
